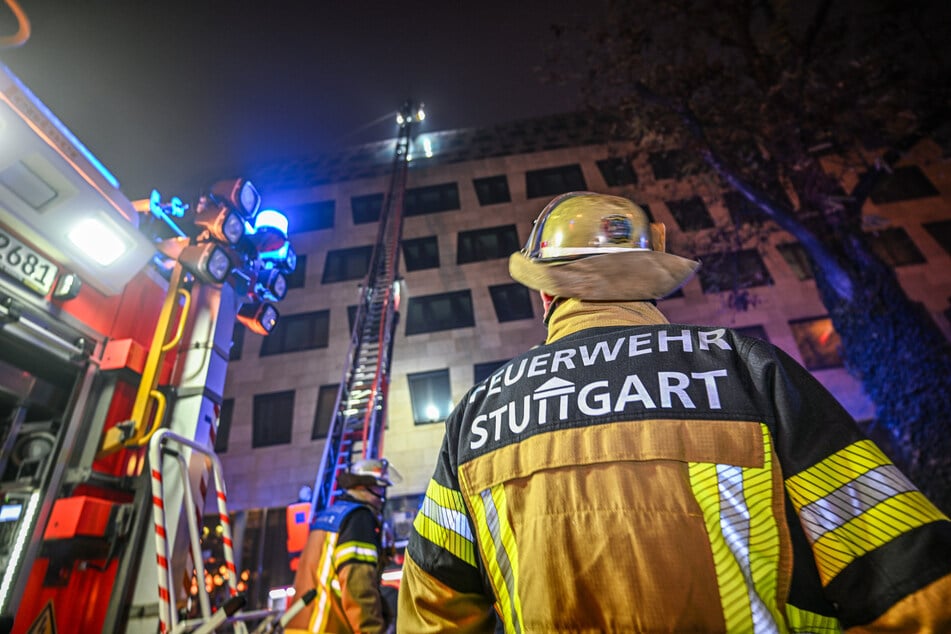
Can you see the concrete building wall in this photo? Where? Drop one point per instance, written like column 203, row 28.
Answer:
column 271, row 476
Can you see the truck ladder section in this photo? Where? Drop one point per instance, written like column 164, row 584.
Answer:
column 165, row 443
column 360, row 408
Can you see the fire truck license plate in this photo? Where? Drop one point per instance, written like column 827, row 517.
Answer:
column 26, row 265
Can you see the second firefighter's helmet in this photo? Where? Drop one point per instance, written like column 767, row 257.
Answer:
column 369, row 472
column 598, row 247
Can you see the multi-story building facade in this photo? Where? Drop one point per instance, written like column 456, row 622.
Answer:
column 471, row 198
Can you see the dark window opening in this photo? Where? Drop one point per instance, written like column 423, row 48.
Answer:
column 237, row 342
column 347, row 264
column 297, row 278
column 740, row 208
column 486, row 244
column 691, row 213
column 511, row 302
column 554, row 181
column 273, row 419
column 443, row 311
column 366, row 208
column 733, row 271
column 617, row 171
column 492, row 190
column 420, row 253
column 432, row 199
column 673, row 164
column 303, row 331
column 894, row 247
column 324, row 413
column 941, row 232
column 795, row 255
column 482, row 371
column 904, row 183
column 225, row 415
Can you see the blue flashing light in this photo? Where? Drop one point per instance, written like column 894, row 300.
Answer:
column 62, row 129
column 270, row 218
column 159, row 211
column 177, row 207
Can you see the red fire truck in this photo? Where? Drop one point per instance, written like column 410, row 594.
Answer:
column 116, row 321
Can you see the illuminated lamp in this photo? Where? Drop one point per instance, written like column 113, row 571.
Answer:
column 67, row 287
column 271, row 285
column 259, row 317
column 208, row 262
column 98, row 240
column 269, row 232
column 223, row 223
column 239, row 194
column 284, row 258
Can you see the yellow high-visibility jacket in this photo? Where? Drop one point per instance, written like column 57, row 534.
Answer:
column 637, row 476
column 341, row 560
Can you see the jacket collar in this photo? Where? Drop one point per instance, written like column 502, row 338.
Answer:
column 572, row 315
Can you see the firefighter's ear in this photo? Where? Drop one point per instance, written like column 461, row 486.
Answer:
column 658, row 236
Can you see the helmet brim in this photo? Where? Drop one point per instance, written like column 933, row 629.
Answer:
column 636, row 275
column 350, row 481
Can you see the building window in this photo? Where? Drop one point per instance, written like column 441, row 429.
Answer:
column 690, row 213
column 740, row 208
column 941, row 232
column 421, row 253
column 617, row 171
column 894, row 247
column 904, row 183
column 303, row 331
column 347, row 264
column 753, row 331
column 366, row 208
column 492, row 190
column 430, row 395
column 733, row 271
column 818, row 343
column 490, row 243
column 511, row 302
column 324, row 414
column 296, row 279
column 273, row 419
column 443, row 311
column 224, row 425
column 796, row 258
column 672, row 164
column 482, row 371
column 310, row 217
column 428, row 200
column 554, row 181
column 237, row 342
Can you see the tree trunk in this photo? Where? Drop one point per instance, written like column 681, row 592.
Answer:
column 903, row 360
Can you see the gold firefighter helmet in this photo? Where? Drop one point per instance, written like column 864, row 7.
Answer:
column 598, row 247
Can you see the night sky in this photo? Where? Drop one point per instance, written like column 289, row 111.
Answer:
column 173, row 95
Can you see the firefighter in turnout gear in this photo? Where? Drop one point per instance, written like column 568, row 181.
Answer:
column 633, row 475
column 342, row 558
